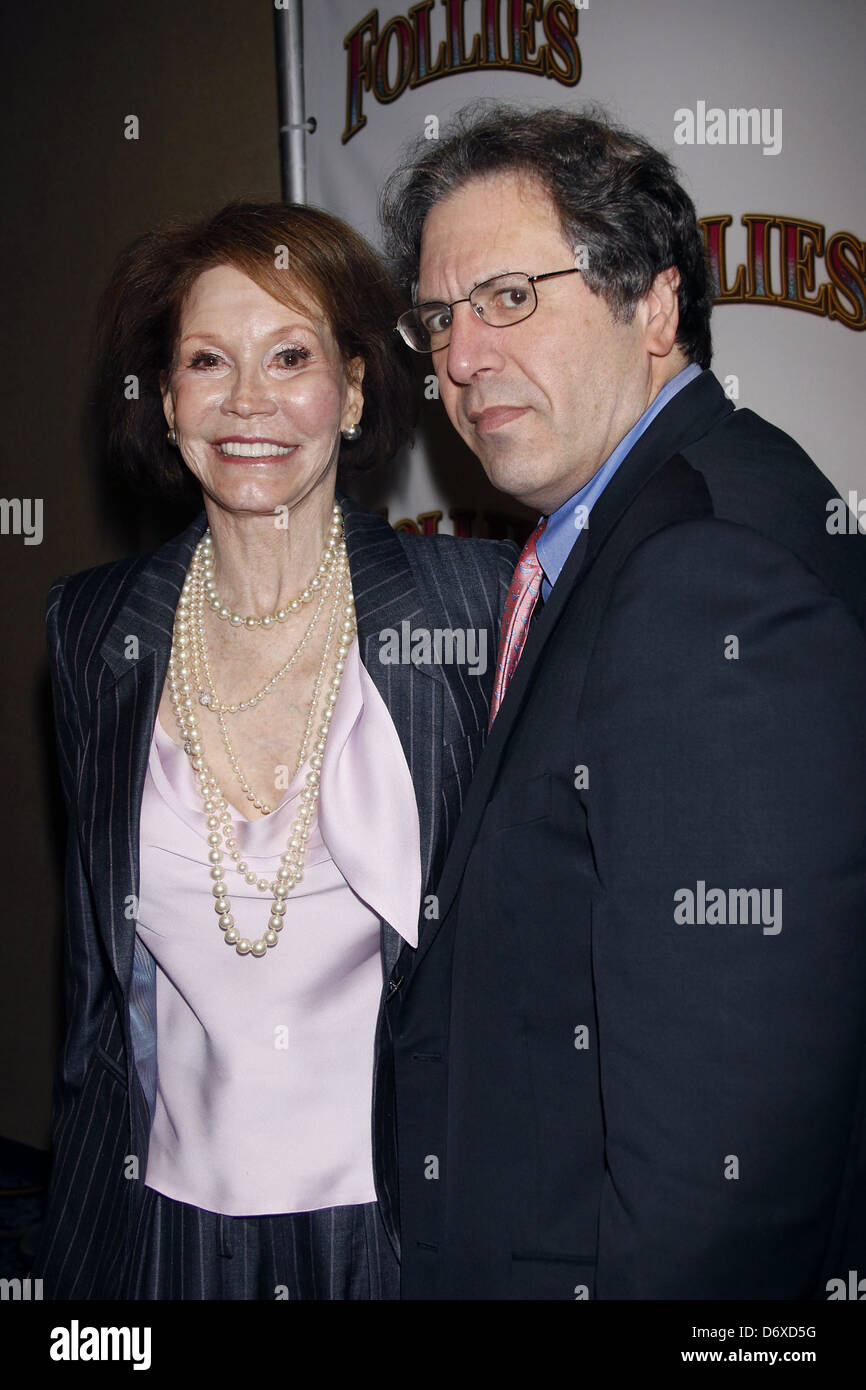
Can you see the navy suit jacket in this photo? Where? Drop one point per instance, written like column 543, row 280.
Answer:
column 602, row 1092
column 106, row 694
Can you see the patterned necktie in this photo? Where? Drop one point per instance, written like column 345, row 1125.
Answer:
column 522, row 598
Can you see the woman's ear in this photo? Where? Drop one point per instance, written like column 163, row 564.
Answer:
column 167, row 399
column 354, row 407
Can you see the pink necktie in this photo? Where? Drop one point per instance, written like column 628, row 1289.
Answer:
column 522, row 597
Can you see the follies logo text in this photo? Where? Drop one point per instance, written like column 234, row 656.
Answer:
column 432, row 42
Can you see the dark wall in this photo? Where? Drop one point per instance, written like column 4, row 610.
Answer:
column 201, row 79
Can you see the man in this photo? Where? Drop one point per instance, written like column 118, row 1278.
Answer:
column 630, row 1052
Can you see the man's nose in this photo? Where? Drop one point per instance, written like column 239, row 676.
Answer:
column 473, row 347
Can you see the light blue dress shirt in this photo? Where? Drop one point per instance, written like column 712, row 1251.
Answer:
column 566, row 523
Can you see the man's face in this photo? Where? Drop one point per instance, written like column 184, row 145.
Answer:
column 543, row 402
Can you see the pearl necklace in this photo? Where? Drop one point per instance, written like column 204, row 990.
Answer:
column 228, row 831
column 203, row 676
column 201, row 565
column 219, row 818
column 229, row 615
column 207, row 692
column 198, row 636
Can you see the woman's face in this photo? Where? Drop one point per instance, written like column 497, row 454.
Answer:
column 258, row 395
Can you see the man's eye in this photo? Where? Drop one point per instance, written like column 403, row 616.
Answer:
column 436, row 319
column 512, row 297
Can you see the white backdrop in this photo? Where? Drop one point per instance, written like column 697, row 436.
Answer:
column 648, row 63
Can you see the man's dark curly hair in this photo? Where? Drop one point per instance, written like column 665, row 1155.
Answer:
column 614, row 193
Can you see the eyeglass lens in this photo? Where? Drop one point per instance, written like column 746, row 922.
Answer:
column 504, row 300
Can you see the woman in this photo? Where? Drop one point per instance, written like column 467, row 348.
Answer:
column 259, row 798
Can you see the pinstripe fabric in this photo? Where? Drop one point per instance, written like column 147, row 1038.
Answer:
column 109, row 633
column 179, row 1252
column 142, row 1020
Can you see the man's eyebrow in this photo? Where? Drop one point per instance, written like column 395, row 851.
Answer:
column 506, row 270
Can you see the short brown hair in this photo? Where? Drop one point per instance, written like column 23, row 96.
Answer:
column 615, row 194
column 140, row 313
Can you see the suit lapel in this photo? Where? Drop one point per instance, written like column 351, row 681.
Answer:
column 697, row 408
column 386, row 595
column 135, row 651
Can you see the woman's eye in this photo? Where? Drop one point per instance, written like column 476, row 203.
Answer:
column 293, row 357
column 205, row 360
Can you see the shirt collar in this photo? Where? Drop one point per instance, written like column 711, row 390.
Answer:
column 566, row 523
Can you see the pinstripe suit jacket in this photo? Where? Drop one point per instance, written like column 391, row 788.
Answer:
column 106, row 693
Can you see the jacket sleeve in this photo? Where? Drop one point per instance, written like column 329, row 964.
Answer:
column 61, row 690
column 83, row 976
column 726, row 746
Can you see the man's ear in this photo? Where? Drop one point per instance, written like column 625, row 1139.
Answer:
column 662, row 312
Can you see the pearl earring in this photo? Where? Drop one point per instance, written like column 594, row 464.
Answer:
column 352, row 433
column 171, row 436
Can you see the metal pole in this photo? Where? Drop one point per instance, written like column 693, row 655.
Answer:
column 289, row 43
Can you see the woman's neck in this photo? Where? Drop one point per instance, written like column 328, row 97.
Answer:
column 260, row 562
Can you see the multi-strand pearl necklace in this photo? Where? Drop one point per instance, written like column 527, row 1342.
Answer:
column 229, row 615
column 206, row 686
column 219, row 818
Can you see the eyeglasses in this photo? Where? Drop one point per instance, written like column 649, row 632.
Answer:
column 500, row 302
